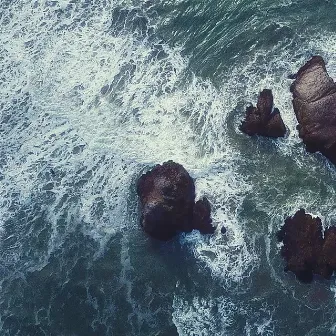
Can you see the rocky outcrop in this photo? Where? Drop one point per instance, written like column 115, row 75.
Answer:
column 305, row 250
column 263, row 119
column 314, row 102
column 167, row 199
column 202, row 216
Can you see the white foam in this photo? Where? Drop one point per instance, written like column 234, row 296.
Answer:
column 208, row 316
column 198, row 318
column 230, row 257
column 150, row 115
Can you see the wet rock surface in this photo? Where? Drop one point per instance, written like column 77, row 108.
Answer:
column 305, row 250
column 167, row 199
column 202, row 216
column 263, row 120
column 314, row 102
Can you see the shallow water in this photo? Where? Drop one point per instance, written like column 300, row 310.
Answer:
column 93, row 93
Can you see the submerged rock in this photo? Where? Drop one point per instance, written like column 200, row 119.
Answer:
column 305, row 250
column 314, row 102
column 263, row 120
column 167, row 198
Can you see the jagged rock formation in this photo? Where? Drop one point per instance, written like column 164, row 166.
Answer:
column 167, row 198
column 263, row 120
column 304, row 249
column 314, row 102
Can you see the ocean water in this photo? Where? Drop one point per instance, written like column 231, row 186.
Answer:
column 95, row 92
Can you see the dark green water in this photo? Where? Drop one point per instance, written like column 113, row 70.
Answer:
column 93, row 93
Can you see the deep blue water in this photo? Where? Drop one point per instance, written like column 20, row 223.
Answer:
column 92, row 94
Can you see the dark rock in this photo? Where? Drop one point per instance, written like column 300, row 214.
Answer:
column 314, row 102
column 263, row 120
column 202, row 216
column 167, row 198
column 167, row 195
column 223, row 230
column 305, row 250
column 328, row 255
column 291, row 76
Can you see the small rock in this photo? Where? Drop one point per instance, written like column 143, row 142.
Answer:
column 223, row 230
column 263, row 120
column 202, row 216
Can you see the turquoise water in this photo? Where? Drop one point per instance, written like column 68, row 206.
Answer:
column 93, row 93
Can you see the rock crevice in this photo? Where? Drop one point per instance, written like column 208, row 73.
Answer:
column 305, row 250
